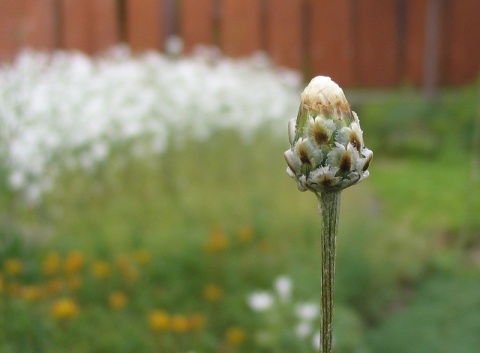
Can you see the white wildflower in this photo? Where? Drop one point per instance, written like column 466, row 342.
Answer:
column 260, row 301
column 307, row 311
column 283, row 286
column 66, row 110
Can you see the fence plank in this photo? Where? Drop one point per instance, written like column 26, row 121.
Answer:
column 284, row 32
column 415, row 41
column 89, row 25
column 145, row 27
column 75, row 20
column 11, row 31
column 463, row 54
column 330, row 39
column 196, row 23
column 104, row 32
column 241, row 30
column 376, row 35
column 40, row 23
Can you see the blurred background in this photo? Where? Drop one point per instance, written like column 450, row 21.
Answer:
column 144, row 204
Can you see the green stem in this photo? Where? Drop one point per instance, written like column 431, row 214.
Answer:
column 329, row 203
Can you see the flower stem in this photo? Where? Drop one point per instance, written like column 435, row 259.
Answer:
column 329, row 204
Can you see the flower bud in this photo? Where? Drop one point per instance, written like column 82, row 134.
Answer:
column 327, row 151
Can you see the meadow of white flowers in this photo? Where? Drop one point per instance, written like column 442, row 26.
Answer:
column 68, row 109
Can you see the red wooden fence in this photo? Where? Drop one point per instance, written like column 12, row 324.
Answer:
column 357, row 42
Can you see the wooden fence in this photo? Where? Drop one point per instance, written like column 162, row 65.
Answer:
column 357, row 42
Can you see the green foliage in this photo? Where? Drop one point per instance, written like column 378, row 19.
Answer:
column 442, row 317
column 350, row 331
column 405, row 125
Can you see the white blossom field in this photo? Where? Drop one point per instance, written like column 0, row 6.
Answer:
column 67, row 110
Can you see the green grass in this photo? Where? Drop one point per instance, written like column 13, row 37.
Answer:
column 439, row 319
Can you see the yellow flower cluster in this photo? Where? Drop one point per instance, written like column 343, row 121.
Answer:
column 218, row 240
column 117, row 300
column 51, row 264
column 59, row 278
column 161, row 321
column 212, row 293
column 235, row 335
column 74, row 262
column 101, row 269
column 13, row 267
column 67, row 284
column 245, row 234
column 64, row 308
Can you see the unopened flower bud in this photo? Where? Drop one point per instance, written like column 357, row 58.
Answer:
column 327, row 151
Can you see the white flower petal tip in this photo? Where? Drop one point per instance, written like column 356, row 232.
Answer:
column 293, row 161
column 323, row 91
column 291, row 130
column 290, row 173
column 327, row 146
column 323, row 96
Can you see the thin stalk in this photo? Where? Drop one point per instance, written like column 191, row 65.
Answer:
column 329, row 204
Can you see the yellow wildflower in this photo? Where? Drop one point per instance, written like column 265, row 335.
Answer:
column 74, row 262
column 212, row 292
column 159, row 320
column 217, row 240
column 180, row 323
column 117, row 300
column 101, row 269
column 13, row 266
column 51, row 264
column 64, row 308
column 235, row 335
column 245, row 235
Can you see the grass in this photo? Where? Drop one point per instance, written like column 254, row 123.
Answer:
column 442, row 313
